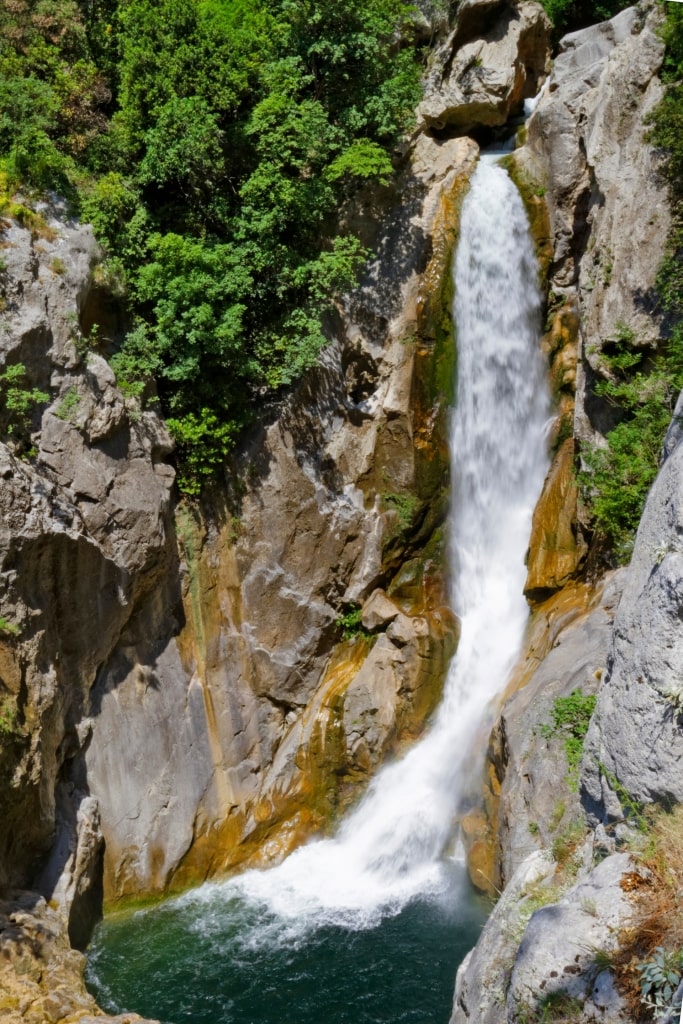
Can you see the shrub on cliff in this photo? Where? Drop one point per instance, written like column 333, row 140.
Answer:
column 569, row 15
column 642, row 388
column 211, row 143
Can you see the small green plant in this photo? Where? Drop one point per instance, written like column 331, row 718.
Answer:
column 17, row 403
column 8, row 628
column 567, row 842
column 603, row 959
column 8, row 717
column 570, row 719
column 533, row 828
column 560, row 1008
column 351, row 624
column 632, row 808
column 68, row 405
column 558, row 814
column 405, row 505
column 57, row 266
column 659, row 980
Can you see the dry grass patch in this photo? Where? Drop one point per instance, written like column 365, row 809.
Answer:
column 658, row 900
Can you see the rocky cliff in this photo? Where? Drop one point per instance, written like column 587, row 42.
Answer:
column 190, row 687
column 576, row 913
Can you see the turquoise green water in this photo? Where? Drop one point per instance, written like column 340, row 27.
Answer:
column 217, row 957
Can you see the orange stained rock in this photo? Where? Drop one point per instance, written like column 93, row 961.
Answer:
column 554, row 552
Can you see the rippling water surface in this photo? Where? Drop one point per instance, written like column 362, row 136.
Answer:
column 216, row 957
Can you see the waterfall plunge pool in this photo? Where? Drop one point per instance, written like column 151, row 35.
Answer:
column 217, row 956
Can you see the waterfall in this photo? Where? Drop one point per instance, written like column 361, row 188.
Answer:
column 391, row 848
column 337, row 923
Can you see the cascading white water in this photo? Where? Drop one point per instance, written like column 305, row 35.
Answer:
column 390, row 849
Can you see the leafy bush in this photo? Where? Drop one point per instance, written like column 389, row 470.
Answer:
column 659, row 980
column 568, row 15
column 617, row 478
column 351, row 624
column 210, row 143
column 17, row 403
column 8, row 628
column 405, row 506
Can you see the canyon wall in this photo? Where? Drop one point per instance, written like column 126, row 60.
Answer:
column 189, row 687
column 556, row 837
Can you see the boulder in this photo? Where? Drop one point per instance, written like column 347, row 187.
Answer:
column 558, row 952
column 494, row 59
column 379, row 611
column 540, row 949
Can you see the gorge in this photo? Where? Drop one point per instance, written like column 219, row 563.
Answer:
column 198, row 687
column 388, row 853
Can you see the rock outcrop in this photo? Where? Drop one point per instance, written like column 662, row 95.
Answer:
column 41, row 976
column 586, row 153
column 494, row 58
column 84, row 539
column 531, row 797
column 635, row 743
column 545, row 948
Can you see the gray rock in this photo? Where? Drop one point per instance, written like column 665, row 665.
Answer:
column 84, row 535
column 525, row 955
column 607, row 201
column 483, row 71
column 558, row 951
column 636, row 739
column 483, row 977
column 536, row 801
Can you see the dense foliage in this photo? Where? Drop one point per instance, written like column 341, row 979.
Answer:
column 210, row 143
column 641, row 386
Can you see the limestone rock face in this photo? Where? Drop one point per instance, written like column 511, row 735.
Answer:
column 526, row 956
column 483, row 976
column 609, row 217
column 530, row 795
column 557, row 952
column 494, row 58
column 84, row 537
column 635, row 737
column 608, row 205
